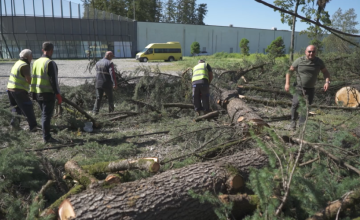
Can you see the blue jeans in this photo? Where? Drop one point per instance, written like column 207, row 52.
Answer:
column 99, row 96
column 22, row 105
column 201, row 94
column 47, row 109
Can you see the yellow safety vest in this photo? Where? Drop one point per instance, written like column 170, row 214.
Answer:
column 16, row 80
column 200, row 71
column 40, row 82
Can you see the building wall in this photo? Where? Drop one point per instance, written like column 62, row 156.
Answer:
column 72, row 37
column 214, row 38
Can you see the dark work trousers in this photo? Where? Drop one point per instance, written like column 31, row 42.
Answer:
column 22, row 105
column 200, row 94
column 47, row 109
column 99, row 96
column 309, row 93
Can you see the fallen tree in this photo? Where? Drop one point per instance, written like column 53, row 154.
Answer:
column 237, row 109
column 166, row 195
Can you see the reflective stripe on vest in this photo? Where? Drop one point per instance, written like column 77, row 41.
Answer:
column 40, row 82
column 200, row 71
column 16, row 80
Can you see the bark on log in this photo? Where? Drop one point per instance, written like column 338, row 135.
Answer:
column 178, row 105
column 348, row 96
column 166, row 195
column 207, row 116
column 150, row 164
column 238, row 111
column 81, row 111
column 350, row 199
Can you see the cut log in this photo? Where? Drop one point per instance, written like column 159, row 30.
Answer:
column 151, row 164
column 209, row 115
column 348, row 96
column 77, row 173
column 65, row 100
column 53, row 208
column 349, row 200
column 238, row 111
column 113, row 178
column 166, row 195
column 178, row 105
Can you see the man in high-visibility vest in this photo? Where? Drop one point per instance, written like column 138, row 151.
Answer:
column 18, row 88
column 201, row 79
column 44, row 87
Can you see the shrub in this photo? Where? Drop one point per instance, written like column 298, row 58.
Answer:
column 276, row 48
column 244, row 46
column 195, row 48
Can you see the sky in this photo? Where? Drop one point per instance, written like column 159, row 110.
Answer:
column 251, row 14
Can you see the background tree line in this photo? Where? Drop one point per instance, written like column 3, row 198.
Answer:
column 173, row 11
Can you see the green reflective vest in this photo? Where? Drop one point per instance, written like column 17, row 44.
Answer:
column 200, row 71
column 40, row 82
column 16, row 80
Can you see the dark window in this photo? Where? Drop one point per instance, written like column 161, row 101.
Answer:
column 149, row 51
column 167, row 50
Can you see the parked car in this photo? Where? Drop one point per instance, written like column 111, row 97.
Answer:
column 202, row 53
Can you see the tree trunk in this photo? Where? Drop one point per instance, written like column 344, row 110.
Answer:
column 237, row 109
column 293, row 32
column 166, row 195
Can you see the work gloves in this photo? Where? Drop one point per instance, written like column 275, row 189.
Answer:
column 59, row 98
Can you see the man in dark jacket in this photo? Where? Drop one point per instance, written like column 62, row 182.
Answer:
column 44, row 87
column 105, row 81
column 18, row 88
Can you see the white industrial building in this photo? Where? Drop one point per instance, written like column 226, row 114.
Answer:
column 214, row 38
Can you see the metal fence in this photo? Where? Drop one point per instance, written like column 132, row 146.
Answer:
column 77, row 31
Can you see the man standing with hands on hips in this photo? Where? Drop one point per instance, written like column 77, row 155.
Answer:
column 307, row 70
column 45, row 87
